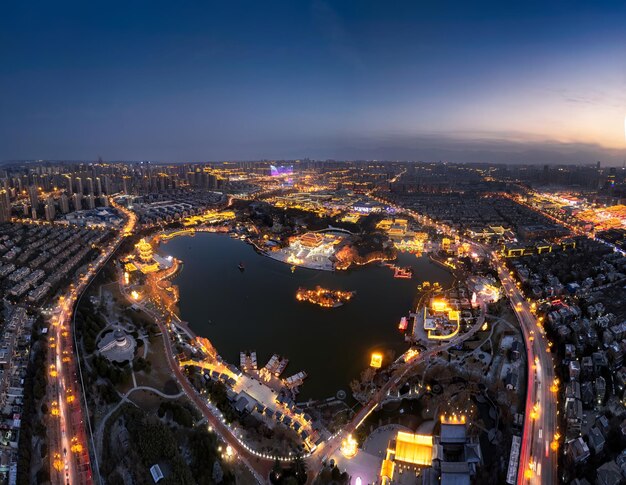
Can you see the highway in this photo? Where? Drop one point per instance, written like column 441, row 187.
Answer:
column 538, row 459
column 69, row 457
column 539, row 450
column 68, row 439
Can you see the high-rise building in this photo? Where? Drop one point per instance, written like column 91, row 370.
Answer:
column 98, row 186
column 79, row 185
column 33, row 194
column 77, row 199
column 91, row 201
column 5, row 206
column 64, row 203
column 69, row 184
column 8, row 193
column 89, row 185
column 107, row 185
column 49, row 209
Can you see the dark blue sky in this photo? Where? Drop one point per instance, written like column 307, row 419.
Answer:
column 459, row 81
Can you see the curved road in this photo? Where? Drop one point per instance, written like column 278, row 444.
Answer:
column 537, row 462
column 260, row 467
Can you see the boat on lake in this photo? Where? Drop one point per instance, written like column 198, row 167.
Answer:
column 400, row 272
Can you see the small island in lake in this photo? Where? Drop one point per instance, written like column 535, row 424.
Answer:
column 324, row 297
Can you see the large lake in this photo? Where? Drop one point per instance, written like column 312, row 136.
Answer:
column 257, row 309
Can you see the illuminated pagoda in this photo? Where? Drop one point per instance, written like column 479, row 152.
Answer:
column 144, row 249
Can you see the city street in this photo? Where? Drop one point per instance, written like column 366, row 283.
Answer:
column 537, row 462
column 69, row 456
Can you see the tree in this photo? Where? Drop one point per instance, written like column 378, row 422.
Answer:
column 298, row 468
column 218, row 474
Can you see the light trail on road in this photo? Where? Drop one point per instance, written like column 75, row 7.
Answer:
column 536, row 465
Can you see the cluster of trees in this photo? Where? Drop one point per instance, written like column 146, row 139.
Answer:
column 205, row 462
column 39, row 379
column 363, row 387
column 155, row 443
column 89, row 324
column 152, row 441
column 135, row 317
column 497, row 308
column 217, row 393
column 35, row 384
column 265, row 214
column 108, row 393
column 112, row 372
column 142, row 364
column 332, row 475
column 294, row 474
column 181, row 414
column 106, row 274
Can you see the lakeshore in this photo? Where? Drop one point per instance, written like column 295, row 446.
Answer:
column 255, row 309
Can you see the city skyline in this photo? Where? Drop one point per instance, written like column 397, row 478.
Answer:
column 469, row 304
column 318, row 242
column 493, row 83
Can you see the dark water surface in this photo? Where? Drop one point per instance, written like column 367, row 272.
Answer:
column 257, row 309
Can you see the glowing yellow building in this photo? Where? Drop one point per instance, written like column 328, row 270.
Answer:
column 377, row 360
column 408, row 449
column 145, row 250
column 399, row 228
column 441, row 321
column 439, row 305
column 415, row 449
column 384, row 224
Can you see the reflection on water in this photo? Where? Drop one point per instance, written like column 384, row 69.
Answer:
column 257, row 310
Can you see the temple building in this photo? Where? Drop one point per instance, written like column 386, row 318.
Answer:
column 144, row 249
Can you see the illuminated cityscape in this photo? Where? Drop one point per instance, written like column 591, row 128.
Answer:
column 325, row 244
column 501, row 369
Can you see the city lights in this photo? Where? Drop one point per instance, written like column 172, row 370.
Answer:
column 376, row 360
column 349, row 446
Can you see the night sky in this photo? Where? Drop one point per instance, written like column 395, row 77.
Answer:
column 504, row 81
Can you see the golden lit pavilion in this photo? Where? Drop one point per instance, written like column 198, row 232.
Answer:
column 415, row 449
column 145, row 250
column 406, row 450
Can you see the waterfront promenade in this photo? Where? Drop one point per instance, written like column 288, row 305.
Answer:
column 327, row 449
column 258, row 462
column 259, row 466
